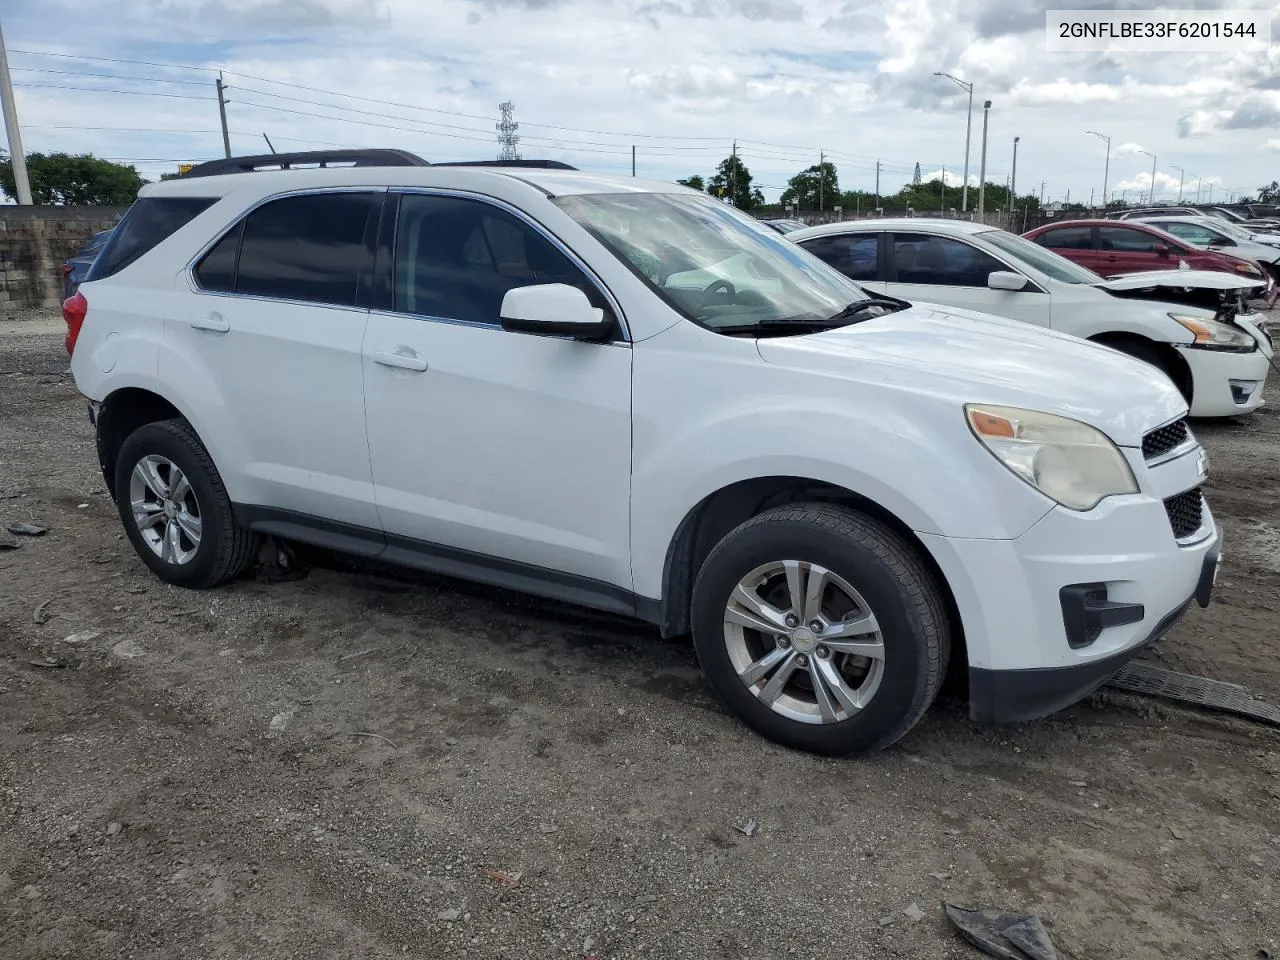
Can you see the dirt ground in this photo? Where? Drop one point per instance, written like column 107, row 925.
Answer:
column 328, row 767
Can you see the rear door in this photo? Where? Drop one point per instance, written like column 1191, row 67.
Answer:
column 276, row 323
column 951, row 271
column 855, row 254
column 1074, row 243
column 1124, row 249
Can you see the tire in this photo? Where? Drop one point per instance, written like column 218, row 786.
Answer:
column 209, row 552
column 884, row 698
column 1148, row 353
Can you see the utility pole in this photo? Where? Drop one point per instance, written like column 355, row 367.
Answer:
column 222, row 112
column 942, row 203
column 633, row 159
column 22, row 186
column 968, row 126
column 877, row 184
column 1106, row 166
column 268, row 139
column 1042, row 194
column 1198, row 179
column 821, row 177
column 1182, row 175
column 1151, row 194
column 1091, row 199
column 982, row 175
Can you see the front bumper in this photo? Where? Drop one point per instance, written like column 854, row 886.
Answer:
column 1025, row 650
column 1227, row 384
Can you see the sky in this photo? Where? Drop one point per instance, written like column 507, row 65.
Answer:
column 680, row 80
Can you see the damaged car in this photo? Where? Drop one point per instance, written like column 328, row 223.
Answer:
column 1195, row 326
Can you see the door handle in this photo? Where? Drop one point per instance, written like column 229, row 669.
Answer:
column 214, row 322
column 404, row 361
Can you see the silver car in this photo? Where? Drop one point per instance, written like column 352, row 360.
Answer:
column 1220, row 235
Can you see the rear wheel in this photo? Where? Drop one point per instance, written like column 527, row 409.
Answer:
column 175, row 509
column 821, row 628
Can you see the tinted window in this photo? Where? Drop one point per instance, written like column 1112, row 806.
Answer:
column 148, row 222
column 309, row 248
column 920, row 258
column 1067, row 238
column 458, row 258
column 1123, row 240
column 854, row 256
column 217, row 270
column 1196, row 233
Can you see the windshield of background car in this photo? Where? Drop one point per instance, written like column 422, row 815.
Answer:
column 1033, row 255
column 716, row 266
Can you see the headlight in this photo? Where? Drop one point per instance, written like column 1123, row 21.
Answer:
column 1066, row 460
column 1214, row 335
column 1250, row 270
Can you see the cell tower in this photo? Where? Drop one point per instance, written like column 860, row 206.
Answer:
column 507, row 138
column 916, row 176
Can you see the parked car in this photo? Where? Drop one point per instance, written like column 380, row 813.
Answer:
column 784, row 225
column 1132, row 213
column 1110, row 249
column 75, row 268
column 1267, row 225
column 1216, row 357
column 625, row 394
column 1219, row 236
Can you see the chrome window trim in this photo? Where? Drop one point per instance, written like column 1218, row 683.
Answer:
column 591, row 275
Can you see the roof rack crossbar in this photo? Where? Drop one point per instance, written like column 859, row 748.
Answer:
column 321, row 158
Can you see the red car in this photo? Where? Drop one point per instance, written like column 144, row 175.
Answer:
column 1114, row 247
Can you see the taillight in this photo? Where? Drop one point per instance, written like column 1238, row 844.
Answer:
column 66, row 268
column 74, row 309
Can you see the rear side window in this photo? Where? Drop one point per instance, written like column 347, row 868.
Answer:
column 149, row 221
column 1067, row 238
column 1127, row 241
column 217, row 271
column 309, row 248
column 854, row 256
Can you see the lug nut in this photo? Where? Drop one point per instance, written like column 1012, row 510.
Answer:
column 816, row 626
column 823, row 653
column 784, row 642
column 792, row 620
column 802, row 661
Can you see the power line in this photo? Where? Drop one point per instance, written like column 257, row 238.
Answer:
column 105, row 76
column 128, row 93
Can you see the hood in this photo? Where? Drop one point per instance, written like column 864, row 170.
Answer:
column 962, row 356
column 1181, row 279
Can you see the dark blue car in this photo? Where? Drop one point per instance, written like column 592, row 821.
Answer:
column 75, row 269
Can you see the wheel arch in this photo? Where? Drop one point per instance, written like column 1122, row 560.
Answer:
column 721, row 511
column 1172, row 362
column 122, row 412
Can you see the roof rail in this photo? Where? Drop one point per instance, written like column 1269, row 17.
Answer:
column 536, row 164
column 321, row 158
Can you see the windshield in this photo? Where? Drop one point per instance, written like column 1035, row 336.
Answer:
column 716, row 266
column 1033, row 255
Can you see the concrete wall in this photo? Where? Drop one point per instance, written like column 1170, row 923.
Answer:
column 34, row 241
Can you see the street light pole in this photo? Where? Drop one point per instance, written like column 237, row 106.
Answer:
column 1013, row 178
column 1182, row 176
column 1106, row 166
column 1151, row 195
column 968, row 128
column 982, row 167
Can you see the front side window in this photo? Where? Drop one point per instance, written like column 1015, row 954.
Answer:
column 713, row 264
column 1067, row 238
column 150, row 221
column 941, row 261
column 456, row 259
column 1122, row 240
column 854, row 255
column 1038, row 258
column 1194, row 233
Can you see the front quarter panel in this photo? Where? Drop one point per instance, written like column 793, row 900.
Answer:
column 709, row 412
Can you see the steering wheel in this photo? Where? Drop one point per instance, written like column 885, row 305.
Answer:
column 714, row 287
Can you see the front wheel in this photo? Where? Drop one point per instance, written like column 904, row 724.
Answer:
column 821, row 628
column 176, row 510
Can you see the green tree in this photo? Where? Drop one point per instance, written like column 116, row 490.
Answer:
column 695, row 181
column 813, row 189
column 60, row 178
column 1270, row 193
column 733, row 182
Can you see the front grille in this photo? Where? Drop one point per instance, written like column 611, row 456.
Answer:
column 1165, row 439
column 1185, row 512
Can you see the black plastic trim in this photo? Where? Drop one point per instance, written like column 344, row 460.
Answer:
column 1208, row 571
column 284, row 161
column 526, row 164
column 1086, row 612
column 447, row 561
column 1013, row 696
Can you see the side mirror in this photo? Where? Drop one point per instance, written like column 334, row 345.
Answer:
column 1162, row 250
column 553, row 310
column 1006, row 280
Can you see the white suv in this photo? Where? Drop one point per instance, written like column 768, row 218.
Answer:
column 628, row 395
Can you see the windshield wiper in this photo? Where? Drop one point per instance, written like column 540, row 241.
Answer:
column 788, row 325
column 859, row 307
